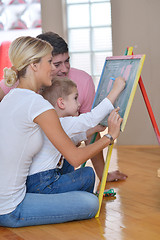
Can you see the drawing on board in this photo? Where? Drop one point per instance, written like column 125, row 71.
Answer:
column 130, row 68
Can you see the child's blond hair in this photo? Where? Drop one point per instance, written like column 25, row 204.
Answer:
column 61, row 88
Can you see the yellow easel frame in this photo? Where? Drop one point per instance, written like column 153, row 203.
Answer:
column 109, row 153
column 104, row 178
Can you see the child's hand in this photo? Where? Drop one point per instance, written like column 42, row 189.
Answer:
column 98, row 128
column 119, row 84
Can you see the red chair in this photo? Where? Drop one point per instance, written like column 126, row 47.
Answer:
column 4, row 58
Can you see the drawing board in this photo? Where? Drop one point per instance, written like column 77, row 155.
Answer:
column 130, row 68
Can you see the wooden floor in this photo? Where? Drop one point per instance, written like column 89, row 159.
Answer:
column 134, row 214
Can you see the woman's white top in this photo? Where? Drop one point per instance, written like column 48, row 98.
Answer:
column 20, row 140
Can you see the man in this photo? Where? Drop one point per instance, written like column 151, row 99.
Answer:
column 86, row 91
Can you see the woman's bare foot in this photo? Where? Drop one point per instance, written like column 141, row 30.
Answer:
column 116, row 176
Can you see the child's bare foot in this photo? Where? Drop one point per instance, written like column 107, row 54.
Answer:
column 116, row 176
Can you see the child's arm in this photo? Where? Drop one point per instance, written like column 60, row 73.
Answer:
column 78, row 138
column 85, row 121
column 83, row 136
column 98, row 128
column 118, row 87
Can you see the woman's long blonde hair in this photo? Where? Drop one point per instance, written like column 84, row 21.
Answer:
column 22, row 52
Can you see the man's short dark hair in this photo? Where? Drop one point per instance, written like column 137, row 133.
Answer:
column 58, row 43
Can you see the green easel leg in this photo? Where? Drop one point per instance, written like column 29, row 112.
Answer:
column 92, row 141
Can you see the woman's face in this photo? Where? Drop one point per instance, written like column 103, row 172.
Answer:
column 45, row 70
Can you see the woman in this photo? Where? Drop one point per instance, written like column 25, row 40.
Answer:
column 25, row 113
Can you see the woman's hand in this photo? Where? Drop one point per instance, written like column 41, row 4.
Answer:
column 114, row 122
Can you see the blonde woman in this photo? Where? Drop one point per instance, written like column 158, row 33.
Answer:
column 23, row 114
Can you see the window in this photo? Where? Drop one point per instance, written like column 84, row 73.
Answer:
column 89, row 34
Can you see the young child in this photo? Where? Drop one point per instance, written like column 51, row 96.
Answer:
column 46, row 172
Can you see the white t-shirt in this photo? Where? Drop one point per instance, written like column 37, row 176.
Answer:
column 21, row 139
column 75, row 128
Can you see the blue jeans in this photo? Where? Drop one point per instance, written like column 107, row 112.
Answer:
column 62, row 180
column 38, row 209
column 66, row 168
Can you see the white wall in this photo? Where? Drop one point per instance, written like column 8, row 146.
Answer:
column 136, row 23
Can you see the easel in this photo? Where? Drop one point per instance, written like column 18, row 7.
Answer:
column 129, row 51
column 146, row 100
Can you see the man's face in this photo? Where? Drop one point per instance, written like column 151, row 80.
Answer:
column 62, row 65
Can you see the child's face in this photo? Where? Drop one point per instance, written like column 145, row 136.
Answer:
column 72, row 104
